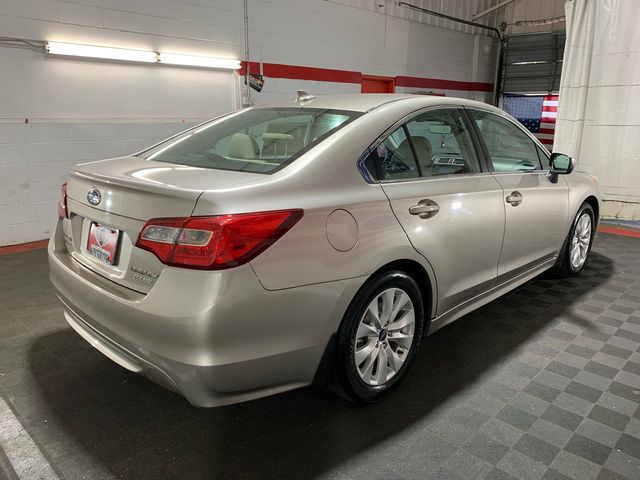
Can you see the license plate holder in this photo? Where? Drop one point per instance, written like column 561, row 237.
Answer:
column 103, row 243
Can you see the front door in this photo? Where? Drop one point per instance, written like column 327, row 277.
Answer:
column 536, row 206
column 450, row 207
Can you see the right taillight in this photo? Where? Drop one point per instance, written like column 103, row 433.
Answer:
column 215, row 243
column 62, row 202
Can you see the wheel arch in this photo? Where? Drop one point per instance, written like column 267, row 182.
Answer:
column 593, row 202
column 422, row 277
column 427, row 287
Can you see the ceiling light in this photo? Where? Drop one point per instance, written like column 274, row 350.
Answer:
column 536, row 62
column 130, row 55
column 110, row 53
column 198, row 61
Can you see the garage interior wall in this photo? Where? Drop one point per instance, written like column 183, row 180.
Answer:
column 56, row 113
column 599, row 94
column 523, row 16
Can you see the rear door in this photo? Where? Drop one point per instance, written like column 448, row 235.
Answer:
column 448, row 204
column 536, row 205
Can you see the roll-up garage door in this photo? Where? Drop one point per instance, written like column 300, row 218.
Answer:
column 533, row 63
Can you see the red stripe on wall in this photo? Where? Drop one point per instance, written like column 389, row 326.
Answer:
column 254, row 67
column 296, row 72
column 549, row 108
column 625, row 232
column 276, row 70
column 419, row 82
column 549, row 131
column 23, row 247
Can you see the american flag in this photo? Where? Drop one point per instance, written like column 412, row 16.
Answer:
column 538, row 114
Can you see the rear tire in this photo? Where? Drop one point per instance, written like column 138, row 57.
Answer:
column 378, row 338
column 575, row 251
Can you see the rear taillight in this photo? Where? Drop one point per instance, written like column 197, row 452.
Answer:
column 215, row 243
column 62, row 202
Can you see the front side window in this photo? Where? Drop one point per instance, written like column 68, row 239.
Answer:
column 510, row 149
column 544, row 157
column 260, row 140
column 442, row 143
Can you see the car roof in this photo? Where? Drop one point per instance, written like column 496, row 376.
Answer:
column 365, row 102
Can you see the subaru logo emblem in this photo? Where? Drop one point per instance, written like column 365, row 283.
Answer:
column 93, row 196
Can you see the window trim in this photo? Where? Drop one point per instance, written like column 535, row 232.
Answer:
column 478, row 143
column 402, row 122
column 485, row 149
column 414, row 152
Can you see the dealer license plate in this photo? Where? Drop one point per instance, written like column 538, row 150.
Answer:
column 103, row 243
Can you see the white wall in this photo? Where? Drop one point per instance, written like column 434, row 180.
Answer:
column 83, row 110
column 599, row 100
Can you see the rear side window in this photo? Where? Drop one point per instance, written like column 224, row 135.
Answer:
column 433, row 143
column 260, row 140
column 442, row 143
column 510, row 149
column 394, row 157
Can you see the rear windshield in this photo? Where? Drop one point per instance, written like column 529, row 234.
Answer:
column 260, row 140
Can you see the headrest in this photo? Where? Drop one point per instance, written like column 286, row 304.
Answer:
column 243, row 146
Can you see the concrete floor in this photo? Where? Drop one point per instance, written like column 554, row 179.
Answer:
column 544, row 383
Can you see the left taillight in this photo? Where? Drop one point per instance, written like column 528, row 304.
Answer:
column 215, row 243
column 62, row 202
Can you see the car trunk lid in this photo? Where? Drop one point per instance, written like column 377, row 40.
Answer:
column 109, row 202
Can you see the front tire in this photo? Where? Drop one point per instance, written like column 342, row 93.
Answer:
column 577, row 246
column 379, row 337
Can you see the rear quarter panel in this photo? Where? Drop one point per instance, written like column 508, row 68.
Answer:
column 321, row 181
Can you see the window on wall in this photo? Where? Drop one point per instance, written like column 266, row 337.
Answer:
column 510, row 149
column 443, row 144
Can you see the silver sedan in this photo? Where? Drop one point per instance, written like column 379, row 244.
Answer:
column 313, row 240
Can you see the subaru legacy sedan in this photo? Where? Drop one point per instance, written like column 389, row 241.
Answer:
column 316, row 240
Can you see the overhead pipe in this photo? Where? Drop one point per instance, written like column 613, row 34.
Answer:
column 542, row 21
column 246, row 100
column 491, row 9
column 498, row 76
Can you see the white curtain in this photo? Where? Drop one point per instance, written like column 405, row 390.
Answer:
column 599, row 106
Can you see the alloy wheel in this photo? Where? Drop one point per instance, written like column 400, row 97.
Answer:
column 580, row 242
column 384, row 336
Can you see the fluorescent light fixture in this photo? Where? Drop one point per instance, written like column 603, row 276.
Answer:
column 537, row 62
column 146, row 56
column 110, row 53
column 198, row 61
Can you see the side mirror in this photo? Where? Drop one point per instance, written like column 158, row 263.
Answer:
column 561, row 164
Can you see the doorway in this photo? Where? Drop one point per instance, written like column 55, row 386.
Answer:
column 375, row 84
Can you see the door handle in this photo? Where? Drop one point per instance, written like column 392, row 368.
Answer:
column 425, row 209
column 514, row 199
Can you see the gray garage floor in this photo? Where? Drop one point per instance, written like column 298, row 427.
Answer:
column 544, row 383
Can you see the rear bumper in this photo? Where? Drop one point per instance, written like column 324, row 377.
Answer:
column 215, row 337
